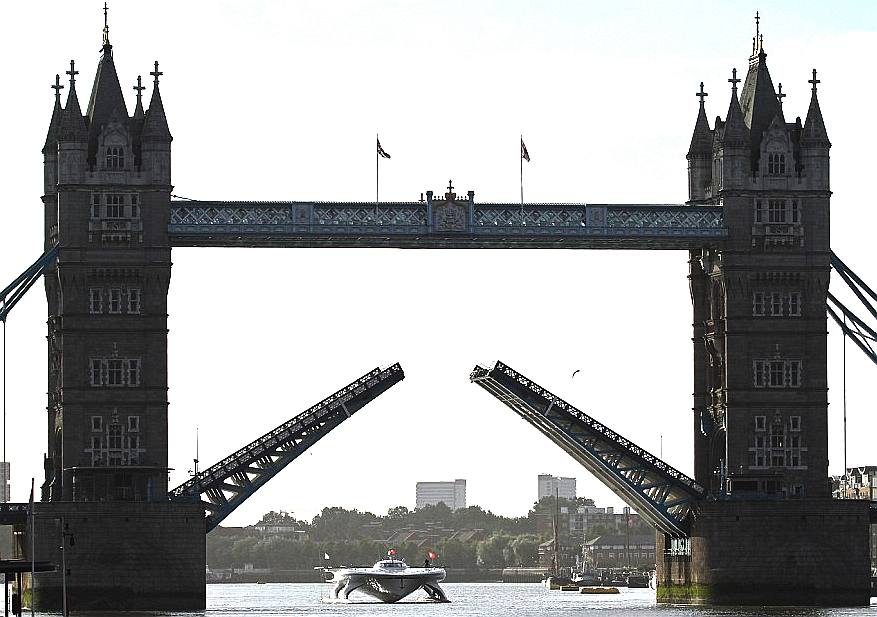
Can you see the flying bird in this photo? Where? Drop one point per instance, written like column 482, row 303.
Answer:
column 574, row 372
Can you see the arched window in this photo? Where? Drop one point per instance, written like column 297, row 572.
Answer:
column 115, row 157
column 776, row 164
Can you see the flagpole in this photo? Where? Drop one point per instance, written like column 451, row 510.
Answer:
column 377, row 176
column 521, row 156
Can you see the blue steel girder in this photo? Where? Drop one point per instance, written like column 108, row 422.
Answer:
column 227, row 484
column 863, row 335
column 661, row 494
column 460, row 223
column 10, row 296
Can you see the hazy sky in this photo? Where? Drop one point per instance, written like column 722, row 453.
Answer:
column 282, row 100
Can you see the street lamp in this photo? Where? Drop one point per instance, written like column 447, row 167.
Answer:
column 66, row 538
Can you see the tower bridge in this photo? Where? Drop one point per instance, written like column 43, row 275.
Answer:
column 756, row 228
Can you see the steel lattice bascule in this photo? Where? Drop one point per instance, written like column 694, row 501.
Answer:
column 227, row 484
column 662, row 495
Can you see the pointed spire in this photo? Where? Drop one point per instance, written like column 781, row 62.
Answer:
column 55, row 122
column 72, row 123
column 138, row 109
column 702, row 138
column 106, row 99
column 814, row 126
column 735, row 128
column 155, row 126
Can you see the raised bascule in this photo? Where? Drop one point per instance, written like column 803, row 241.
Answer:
column 755, row 523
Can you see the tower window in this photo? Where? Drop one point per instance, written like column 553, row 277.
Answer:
column 776, row 211
column 95, row 205
column 133, row 300
column 759, row 211
column 115, row 300
column 776, row 304
column 760, row 422
column 133, row 372
column 115, row 436
column 795, row 423
column 115, row 206
column 759, row 378
column 776, row 436
column 776, row 163
column 794, row 373
column 758, row 304
column 115, row 157
column 795, row 304
column 133, row 424
column 95, row 301
column 796, row 213
column 776, row 373
column 115, row 372
column 96, row 372
column 97, row 423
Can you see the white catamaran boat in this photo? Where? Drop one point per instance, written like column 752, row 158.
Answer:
column 389, row 580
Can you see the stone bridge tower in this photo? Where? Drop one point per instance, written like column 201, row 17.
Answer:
column 760, row 383
column 106, row 197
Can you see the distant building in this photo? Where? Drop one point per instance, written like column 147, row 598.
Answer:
column 621, row 550
column 452, row 494
column 859, row 483
column 549, row 486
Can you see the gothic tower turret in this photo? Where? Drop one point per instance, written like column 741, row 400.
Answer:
column 107, row 198
column 700, row 154
column 760, row 378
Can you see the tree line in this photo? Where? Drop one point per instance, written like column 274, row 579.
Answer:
column 351, row 537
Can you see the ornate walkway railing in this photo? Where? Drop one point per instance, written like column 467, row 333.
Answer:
column 455, row 223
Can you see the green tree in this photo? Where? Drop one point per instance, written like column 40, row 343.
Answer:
column 525, row 550
column 339, row 524
column 398, row 513
column 492, row 551
column 455, row 554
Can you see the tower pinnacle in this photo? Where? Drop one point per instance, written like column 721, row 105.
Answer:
column 73, row 73
column 106, row 27
column 701, row 95
column 57, row 88
column 156, row 73
column 734, row 81
column 814, row 81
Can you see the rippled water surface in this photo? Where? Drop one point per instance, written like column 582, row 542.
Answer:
column 473, row 600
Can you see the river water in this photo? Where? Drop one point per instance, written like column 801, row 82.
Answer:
column 475, row 600
column 469, row 600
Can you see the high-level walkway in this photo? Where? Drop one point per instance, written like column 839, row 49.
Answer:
column 444, row 223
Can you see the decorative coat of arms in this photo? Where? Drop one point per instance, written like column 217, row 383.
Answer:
column 449, row 216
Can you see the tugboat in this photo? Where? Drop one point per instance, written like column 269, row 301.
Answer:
column 389, row 580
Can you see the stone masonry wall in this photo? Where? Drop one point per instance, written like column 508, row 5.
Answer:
column 132, row 556
column 807, row 552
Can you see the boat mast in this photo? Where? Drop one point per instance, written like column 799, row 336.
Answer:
column 556, row 544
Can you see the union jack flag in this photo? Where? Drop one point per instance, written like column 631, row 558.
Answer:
column 381, row 151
